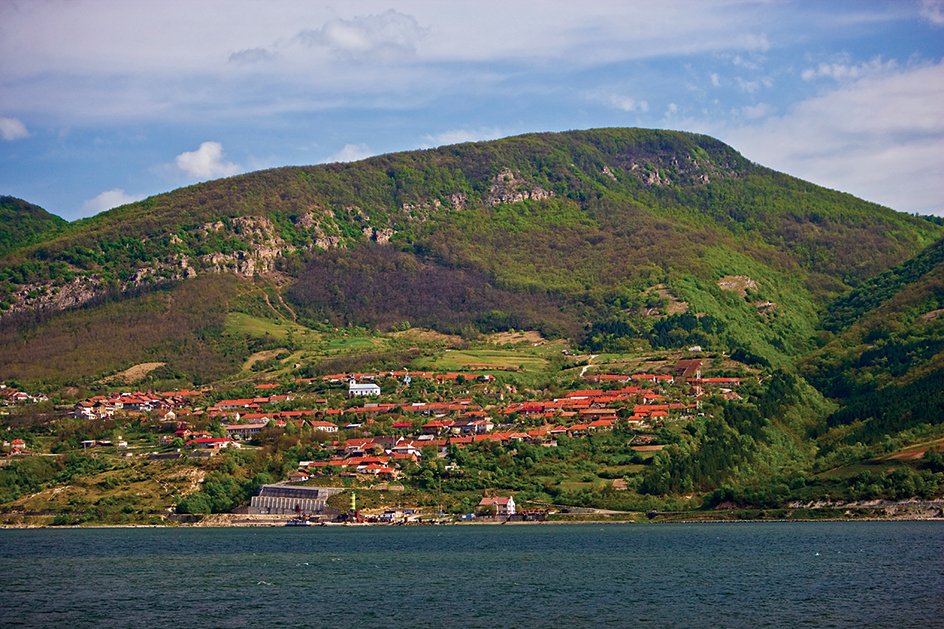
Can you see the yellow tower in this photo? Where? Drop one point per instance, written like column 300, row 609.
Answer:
column 353, row 501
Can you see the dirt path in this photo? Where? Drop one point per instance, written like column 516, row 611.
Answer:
column 287, row 307
column 271, row 307
column 587, row 366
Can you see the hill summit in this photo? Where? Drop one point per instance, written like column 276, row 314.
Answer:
column 606, row 237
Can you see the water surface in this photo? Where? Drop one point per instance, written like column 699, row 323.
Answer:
column 849, row 574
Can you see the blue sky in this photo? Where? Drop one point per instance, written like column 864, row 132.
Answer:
column 105, row 102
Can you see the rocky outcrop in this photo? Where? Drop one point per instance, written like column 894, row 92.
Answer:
column 69, row 295
column 739, row 284
column 510, row 188
column 264, row 246
column 312, row 223
column 672, row 169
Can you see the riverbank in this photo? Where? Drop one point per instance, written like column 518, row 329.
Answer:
column 821, row 512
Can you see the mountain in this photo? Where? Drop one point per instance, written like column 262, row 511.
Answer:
column 22, row 224
column 611, row 237
column 613, row 249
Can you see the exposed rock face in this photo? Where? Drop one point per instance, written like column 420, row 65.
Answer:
column 306, row 221
column 382, row 236
column 507, row 188
column 737, row 283
column 319, row 237
column 74, row 293
column 326, row 242
column 673, row 169
column 264, row 244
column 932, row 316
column 458, row 200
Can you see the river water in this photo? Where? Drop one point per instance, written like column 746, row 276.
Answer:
column 842, row 574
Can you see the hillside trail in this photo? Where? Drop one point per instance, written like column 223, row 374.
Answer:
column 271, row 307
column 587, row 366
column 287, row 307
column 276, row 310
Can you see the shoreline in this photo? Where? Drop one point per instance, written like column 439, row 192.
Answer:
column 225, row 522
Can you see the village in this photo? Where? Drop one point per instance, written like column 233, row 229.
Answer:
column 373, row 437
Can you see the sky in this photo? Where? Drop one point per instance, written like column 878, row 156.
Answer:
column 104, row 102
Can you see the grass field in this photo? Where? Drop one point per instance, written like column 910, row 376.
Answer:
column 303, row 338
column 126, row 493
column 345, row 345
column 484, row 361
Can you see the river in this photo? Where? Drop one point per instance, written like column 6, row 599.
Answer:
column 830, row 574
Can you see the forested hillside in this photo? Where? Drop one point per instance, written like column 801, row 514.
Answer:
column 23, row 224
column 607, row 237
column 886, row 360
column 618, row 252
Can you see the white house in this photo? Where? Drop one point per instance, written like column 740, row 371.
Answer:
column 503, row 506
column 361, row 390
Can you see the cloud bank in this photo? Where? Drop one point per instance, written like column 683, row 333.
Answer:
column 390, row 35
column 12, row 129
column 206, row 162
column 108, row 200
column 880, row 136
column 350, row 153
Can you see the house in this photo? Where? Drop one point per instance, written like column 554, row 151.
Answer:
column 244, row 431
column 688, row 368
column 232, row 405
column 362, row 390
column 405, row 447
column 222, row 442
column 479, row 426
column 323, row 426
column 390, row 515
column 503, row 506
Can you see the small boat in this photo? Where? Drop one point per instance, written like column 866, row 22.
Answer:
column 298, row 522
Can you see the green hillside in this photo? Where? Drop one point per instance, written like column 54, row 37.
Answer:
column 886, row 358
column 590, row 235
column 524, row 265
column 23, row 224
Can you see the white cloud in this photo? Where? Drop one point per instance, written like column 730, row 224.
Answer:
column 388, row 35
column 350, row 153
column 738, row 60
column 747, row 86
column 760, row 110
column 251, row 56
column 880, row 137
column 108, row 200
column 752, row 86
column 933, row 11
column 206, row 162
column 715, row 80
column 12, row 129
column 459, row 136
column 841, row 71
column 178, row 60
column 628, row 104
